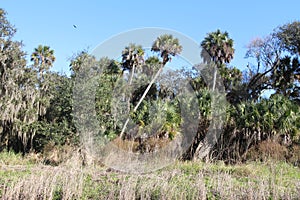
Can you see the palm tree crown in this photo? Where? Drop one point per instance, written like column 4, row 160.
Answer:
column 132, row 56
column 43, row 56
column 219, row 47
column 167, row 45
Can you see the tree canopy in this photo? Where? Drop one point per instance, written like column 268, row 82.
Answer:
column 36, row 104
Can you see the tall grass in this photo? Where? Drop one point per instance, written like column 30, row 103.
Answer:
column 182, row 180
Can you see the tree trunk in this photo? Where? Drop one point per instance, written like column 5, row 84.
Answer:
column 215, row 79
column 130, row 82
column 141, row 99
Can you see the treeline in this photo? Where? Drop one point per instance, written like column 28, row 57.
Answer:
column 36, row 105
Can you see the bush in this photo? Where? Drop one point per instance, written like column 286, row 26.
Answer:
column 267, row 150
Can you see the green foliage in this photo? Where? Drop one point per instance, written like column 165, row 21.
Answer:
column 251, row 123
column 232, row 77
column 37, row 105
column 104, row 96
column 79, row 61
column 58, row 193
column 152, row 64
column 286, row 77
column 289, row 36
column 156, row 117
column 204, row 99
column 132, row 56
column 167, row 46
column 142, row 115
column 6, row 30
column 218, row 46
column 10, row 158
column 43, row 57
column 18, row 91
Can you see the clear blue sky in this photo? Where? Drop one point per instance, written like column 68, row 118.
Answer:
column 51, row 22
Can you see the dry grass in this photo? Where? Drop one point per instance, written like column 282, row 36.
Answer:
column 148, row 145
column 268, row 149
column 182, row 180
column 46, row 182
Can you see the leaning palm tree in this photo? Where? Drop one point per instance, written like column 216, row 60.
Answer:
column 218, row 48
column 167, row 46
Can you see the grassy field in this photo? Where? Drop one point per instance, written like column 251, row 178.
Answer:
column 25, row 178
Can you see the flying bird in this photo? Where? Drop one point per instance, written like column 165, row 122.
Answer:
column 74, row 26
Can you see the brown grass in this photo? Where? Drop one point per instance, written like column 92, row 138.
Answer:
column 268, row 150
column 188, row 180
column 148, row 145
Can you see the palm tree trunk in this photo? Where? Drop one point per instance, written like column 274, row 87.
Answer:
column 215, row 78
column 142, row 98
column 131, row 75
column 130, row 82
column 148, row 88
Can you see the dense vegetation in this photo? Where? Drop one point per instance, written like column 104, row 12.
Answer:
column 36, row 103
column 138, row 108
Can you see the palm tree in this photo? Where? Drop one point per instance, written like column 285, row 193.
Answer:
column 167, row 46
column 132, row 56
column 218, row 48
column 77, row 61
column 152, row 64
column 43, row 57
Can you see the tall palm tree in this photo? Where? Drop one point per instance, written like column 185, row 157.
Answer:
column 132, row 56
column 167, row 46
column 43, row 57
column 218, row 48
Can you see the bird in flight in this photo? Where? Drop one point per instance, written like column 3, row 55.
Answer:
column 74, row 26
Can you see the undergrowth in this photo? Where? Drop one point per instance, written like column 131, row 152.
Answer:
column 20, row 178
